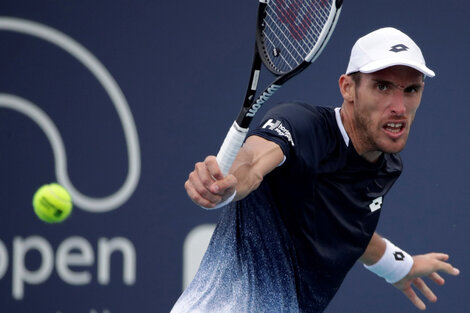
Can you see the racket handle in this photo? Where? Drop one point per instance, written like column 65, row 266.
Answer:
column 230, row 147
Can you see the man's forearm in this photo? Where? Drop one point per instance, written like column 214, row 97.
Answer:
column 256, row 158
column 375, row 250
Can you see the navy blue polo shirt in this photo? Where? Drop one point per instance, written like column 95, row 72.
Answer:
column 288, row 245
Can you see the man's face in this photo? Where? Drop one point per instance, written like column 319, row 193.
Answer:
column 385, row 106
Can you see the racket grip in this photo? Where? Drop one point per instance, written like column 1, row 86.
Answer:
column 230, row 147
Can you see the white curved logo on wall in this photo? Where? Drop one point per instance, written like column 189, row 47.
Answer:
column 31, row 110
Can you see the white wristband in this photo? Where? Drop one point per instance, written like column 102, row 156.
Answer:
column 394, row 264
column 223, row 203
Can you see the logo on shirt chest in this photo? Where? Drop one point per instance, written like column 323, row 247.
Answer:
column 376, row 204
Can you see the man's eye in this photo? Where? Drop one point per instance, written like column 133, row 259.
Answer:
column 382, row 87
column 412, row 89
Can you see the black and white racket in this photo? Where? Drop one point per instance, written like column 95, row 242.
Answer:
column 290, row 35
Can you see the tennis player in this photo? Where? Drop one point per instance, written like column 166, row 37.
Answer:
column 306, row 191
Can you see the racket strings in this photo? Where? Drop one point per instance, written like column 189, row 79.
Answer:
column 292, row 29
column 297, row 27
column 301, row 14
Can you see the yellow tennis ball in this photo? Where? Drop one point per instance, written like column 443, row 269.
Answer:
column 52, row 203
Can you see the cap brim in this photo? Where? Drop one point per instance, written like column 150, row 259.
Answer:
column 384, row 63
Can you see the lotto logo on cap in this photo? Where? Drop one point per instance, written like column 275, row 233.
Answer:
column 383, row 48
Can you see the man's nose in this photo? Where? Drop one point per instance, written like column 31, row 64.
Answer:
column 398, row 103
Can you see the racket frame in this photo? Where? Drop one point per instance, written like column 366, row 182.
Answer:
column 251, row 104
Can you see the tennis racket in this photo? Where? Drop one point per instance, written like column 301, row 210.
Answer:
column 290, row 35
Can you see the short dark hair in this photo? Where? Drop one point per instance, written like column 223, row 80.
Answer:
column 356, row 77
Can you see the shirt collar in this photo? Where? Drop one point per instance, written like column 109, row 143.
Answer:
column 341, row 126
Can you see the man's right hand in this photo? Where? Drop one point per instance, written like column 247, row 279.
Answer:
column 207, row 186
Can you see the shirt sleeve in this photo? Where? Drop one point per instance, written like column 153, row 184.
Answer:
column 300, row 130
column 276, row 126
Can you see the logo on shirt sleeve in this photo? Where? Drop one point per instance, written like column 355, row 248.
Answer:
column 277, row 127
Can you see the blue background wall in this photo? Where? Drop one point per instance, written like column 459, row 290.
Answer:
column 182, row 67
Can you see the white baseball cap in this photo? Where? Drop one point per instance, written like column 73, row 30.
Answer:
column 383, row 48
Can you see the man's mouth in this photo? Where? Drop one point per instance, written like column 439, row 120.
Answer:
column 394, row 128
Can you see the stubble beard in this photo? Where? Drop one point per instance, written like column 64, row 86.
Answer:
column 370, row 143
column 364, row 127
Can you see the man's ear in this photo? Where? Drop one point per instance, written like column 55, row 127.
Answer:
column 346, row 87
